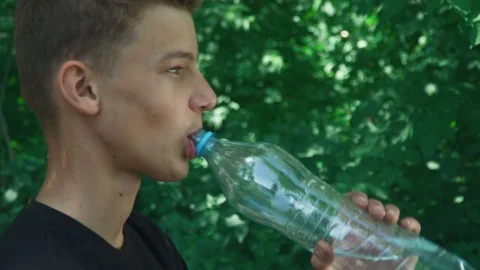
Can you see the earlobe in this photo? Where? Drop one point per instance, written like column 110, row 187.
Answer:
column 78, row 89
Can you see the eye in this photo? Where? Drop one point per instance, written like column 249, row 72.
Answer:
column 175, row 70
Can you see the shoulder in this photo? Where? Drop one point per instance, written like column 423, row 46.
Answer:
column 23, row 241
column 27, row 244
column 25, row 250
column 33, row 259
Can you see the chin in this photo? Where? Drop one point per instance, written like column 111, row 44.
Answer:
column 174, row 174
column 179, row 176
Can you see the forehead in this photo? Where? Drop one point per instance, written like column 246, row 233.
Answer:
column 162, row 29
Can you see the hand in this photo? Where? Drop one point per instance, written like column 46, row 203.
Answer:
column 323, row 256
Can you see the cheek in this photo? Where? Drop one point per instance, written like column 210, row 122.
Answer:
column 156, row 115
column 117, row 123
column 167, row 110
column 121, row 114
column 151, row 109
column 124, row 109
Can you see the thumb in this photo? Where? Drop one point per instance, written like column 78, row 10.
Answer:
column 322, row 257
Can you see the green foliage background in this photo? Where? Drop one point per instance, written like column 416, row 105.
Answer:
column 377, row 96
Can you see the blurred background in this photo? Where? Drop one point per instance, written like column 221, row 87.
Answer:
column 377, row 96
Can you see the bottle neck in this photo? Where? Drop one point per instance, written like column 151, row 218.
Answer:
column 204, row 142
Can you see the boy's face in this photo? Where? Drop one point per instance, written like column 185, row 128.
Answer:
column 155, row 97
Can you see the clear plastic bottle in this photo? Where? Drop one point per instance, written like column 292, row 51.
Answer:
column 269, row 186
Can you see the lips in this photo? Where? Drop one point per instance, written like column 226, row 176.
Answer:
column 190, row 151
column 192, row 134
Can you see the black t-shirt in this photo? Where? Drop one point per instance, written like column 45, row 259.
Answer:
column 42, row 238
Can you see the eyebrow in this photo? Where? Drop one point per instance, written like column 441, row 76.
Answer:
column 175, row 54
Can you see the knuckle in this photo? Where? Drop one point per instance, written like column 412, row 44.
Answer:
column 392, row 208
column 412, row 224
column 375, row 202
column 411, row 220
column 416, row 225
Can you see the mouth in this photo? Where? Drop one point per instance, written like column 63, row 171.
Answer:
column 190, row 150
column 192, row 134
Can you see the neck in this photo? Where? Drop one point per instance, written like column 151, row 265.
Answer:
column 83, row 183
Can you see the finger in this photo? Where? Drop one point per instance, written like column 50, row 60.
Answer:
column 316, row 262
column 412, row 262
column 359, row 198
column 392, row 214
column 411, row 224
column 376, row 209
column 322, row 256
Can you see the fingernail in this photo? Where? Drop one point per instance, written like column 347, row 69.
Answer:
column 407, row 223
column 319, row 252
column 377, row 209
column 360, row 200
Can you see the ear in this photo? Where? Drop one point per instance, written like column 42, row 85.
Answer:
column 78, row 88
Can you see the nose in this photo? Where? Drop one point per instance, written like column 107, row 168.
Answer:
column 204, row 98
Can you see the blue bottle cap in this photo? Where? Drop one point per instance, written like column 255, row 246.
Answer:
column 199, row 147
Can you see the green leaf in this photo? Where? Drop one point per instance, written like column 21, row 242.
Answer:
column 241, row 232
column 392, row 7
column 475, row 7
column 462, row 6
column 316, row 5
column 475, row 35
column 433, row 5
column 234, row 221
column 430, row 130
column 378, row 192
column 365, row 110
column 471, row 117
column 476, row 17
